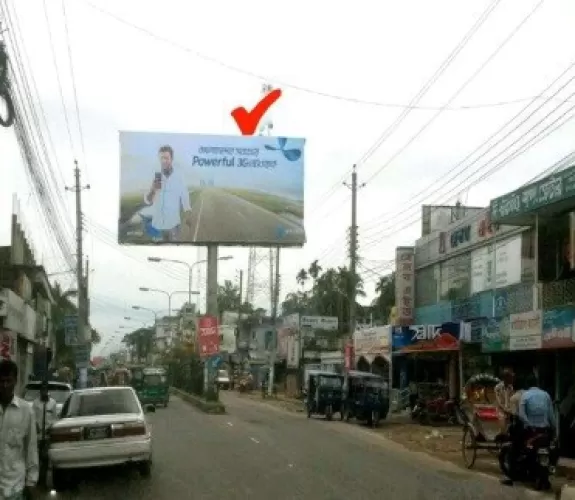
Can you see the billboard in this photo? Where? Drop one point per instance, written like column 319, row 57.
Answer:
column 194, row 189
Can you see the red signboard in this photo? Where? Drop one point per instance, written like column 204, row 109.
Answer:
column 208, row 336
column 348, row 356
column 6, row 346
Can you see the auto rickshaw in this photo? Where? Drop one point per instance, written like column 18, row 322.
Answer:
column 324, row 394
column 152, row 387
column 365, row 397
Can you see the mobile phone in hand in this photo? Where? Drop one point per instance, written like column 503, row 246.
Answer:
column 158, row 180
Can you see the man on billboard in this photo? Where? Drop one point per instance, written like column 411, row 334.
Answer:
column 168, row 196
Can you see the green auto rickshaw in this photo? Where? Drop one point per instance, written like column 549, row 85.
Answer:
column 152, row 387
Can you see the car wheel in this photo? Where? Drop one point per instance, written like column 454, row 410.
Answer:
column 145, row 468
column 60, row 480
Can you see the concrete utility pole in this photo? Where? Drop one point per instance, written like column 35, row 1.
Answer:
column 353, row 249
column 211, row 299
column 275, row 304
column 83, row 332
column 241, row 294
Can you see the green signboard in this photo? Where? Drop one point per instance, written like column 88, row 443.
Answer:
column 495, row 336
column 549, row 190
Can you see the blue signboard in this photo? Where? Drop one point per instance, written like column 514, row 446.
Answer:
column 71, row 331
column 426, row 337
column 215, row 361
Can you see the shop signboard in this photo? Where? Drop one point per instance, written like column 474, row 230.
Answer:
column 525, row 331
column 557, row 330
column 293, row 351
column 496, row 266
column 372, row 341
column 404, row 284
column 547, row 191
column 426, row 338
column 495, row 335
column 329, row 323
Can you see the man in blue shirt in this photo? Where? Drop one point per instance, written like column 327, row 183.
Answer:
column 536, row 416
column 536, row 409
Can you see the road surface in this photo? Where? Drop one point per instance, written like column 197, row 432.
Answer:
column 258, row 452
column 219, row 216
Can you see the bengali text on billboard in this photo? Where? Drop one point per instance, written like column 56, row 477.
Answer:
column 194, row 189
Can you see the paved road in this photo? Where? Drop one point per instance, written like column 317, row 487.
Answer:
column 223, row 217
column 259, row 452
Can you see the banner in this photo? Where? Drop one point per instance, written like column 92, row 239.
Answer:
column 495, row 335
column 426, row 338
column 557, row 330
column 404, row 284
column 209, row 189
column 208, row 336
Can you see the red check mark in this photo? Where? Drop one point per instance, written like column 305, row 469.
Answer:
column 248, row 121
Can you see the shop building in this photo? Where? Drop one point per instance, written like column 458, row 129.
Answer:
column 501, row 283
column 25, row 307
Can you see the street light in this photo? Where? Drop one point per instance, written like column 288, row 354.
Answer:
column 190, row 269
column 169, row 295
column 140, row 308
column 129, row 318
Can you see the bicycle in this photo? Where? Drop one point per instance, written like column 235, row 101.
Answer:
column 8, row 120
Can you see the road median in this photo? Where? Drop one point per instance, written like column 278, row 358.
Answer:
column 211, row 407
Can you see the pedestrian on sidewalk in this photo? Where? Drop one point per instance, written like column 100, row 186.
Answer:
column 503, row 393
column 46, row 414
column 18, row 441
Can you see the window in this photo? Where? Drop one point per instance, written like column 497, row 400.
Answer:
column 426, row 284
column 154, row 379
column 108, row 402
column 455, row 277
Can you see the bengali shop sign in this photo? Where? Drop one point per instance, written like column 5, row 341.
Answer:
column 404, row 284
column 558, row 328
column 208, row 336
column 525, row 331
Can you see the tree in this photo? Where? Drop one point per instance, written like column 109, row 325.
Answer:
column 329, row 295
column 385, row 300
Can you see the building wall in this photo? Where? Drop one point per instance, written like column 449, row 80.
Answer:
column 473, row 270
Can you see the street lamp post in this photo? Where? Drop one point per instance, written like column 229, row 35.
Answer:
column 169, row 295
column 190, row 269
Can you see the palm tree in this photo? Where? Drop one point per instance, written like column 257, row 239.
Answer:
column 314, row 270
column 301, row 277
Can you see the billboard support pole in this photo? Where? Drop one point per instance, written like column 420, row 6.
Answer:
column 211, row 297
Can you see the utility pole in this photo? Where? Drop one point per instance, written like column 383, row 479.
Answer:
column 353, row 250
column 275, row 304
column 82, row 290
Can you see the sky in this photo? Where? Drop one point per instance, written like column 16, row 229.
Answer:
column 347, row 77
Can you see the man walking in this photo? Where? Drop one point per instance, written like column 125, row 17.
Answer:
column 18, row 441
column 46, row 413
column 168, row 195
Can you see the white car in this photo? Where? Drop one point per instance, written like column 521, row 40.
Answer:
column 100, row 427
column 58, row 390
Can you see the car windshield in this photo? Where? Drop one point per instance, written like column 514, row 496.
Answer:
column 109, row 402
column 154, row 379
column 57, row 392
column 332, row 382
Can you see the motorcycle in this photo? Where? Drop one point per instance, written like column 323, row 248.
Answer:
column 535, row 462
column 437, row 409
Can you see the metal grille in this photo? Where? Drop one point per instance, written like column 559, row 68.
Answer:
column 558, row 293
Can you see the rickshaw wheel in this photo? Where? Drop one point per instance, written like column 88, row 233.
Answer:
column 469, row 447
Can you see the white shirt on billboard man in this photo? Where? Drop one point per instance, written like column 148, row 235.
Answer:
column 168, row 196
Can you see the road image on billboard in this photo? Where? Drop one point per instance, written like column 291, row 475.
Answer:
column 206, row 189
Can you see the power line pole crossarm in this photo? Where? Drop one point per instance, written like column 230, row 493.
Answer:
column 83, row 331
column 353, row 257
